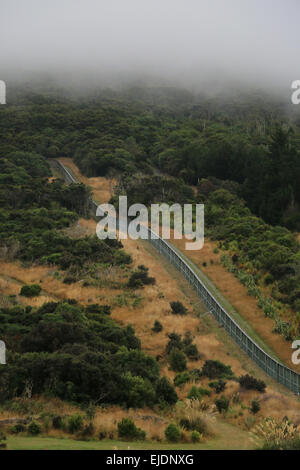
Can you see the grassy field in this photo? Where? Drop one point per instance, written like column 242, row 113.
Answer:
column 229, row 437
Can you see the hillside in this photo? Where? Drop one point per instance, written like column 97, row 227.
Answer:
column 102, row 331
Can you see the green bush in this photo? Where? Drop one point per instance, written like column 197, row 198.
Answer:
column 87, row 431
column 121, row 257
column 196, row 393
column 182, row 378
column 269, row 279
column 177, row 360
column 140, row 278
column 192, row 352
column 157, row 327
column 2, row 441
column 32, row 290
column 57, row 422
column 222, row 404
column 34, row 428
column 172, row 433
column 196, row 374
column 19, row 427
column 251, row 383
column 216, row 369
column 128, row 430
column 255, row 406
column 174, row 342
column 218, row 386
column 178, row 308
column 75, row 423
column 165, row 392
column 195, row 437
column 69, row 280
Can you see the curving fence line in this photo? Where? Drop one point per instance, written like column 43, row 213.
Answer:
column 270, row 366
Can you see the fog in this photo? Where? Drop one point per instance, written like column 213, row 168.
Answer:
column 192, row 43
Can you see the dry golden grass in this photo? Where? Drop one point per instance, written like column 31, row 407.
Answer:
column 26, row 275
column 15, row 275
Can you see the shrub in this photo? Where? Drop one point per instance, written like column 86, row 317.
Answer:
column 255, row 406
column 121, row 257
column 140, row 278
column 222, row 404
column 75, row 423
column 69, row 280
column 165, row 392
column 177, row 360
column 182, row 378
column 34, row 428
column 218, row 386
column 269, row 279
column 195, row 423
column 251, row 383
column 178, row 308
column 157, row 327
column 87, row 431
column 32, row 290
column 195, row 436
column 96, row 308
column 196, row 393
column 192, row 352
column 196, row 374
column 57, row 422
column 216, row 369
column 172, row 433
column 19, row 427
column 174, row 342
column 102, row 434
column 128, row 430
column 2, row 441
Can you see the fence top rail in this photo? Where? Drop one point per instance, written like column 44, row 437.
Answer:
column 157, row 237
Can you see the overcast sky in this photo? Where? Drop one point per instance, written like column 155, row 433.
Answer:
column 182, row 40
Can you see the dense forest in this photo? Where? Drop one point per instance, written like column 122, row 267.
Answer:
column 249, row 139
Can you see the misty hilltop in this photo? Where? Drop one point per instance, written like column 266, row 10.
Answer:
column 193, row 44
